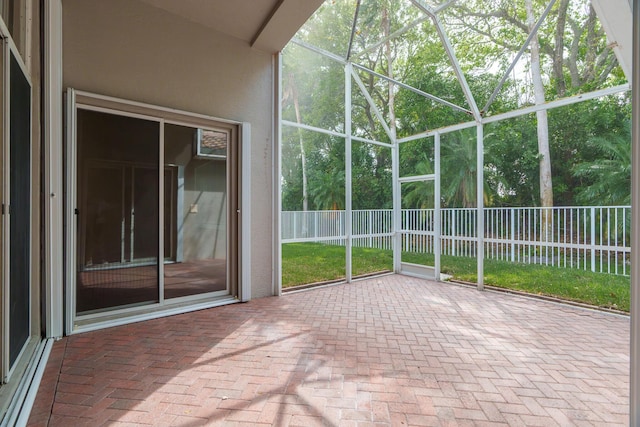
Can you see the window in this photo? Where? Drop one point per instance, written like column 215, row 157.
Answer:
column 211, row 143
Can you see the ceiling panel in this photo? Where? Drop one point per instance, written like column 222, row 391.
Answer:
column 266, row 24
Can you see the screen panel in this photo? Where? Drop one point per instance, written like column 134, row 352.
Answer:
column 20, row 209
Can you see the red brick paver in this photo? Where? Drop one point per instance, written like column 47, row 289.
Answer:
column 385, row 351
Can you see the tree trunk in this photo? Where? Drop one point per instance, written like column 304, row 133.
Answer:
column 558, row 51
column 546, row 186
column 386, row 28
column 292, row 91
column 303, row 158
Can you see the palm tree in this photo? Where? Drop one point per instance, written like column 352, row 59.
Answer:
column 327, row 190
column 610, row 175
column 457, row 180
column 459, row 172
column 420, row 194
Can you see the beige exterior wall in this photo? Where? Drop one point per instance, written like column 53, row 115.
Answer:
column 127, row 49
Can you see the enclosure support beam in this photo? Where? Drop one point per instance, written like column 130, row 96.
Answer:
column 397, row 206
column 353, row 29
column 457, row 69
column 276, row 160
column 418, row 178
column 480, row 205
column 371, row 102
column 412, row 89
column 391, row 36
column 319, row 51
column 522, row 111
column 634, row 380
column 524, row 47
column 348, row 70
column 437, row 231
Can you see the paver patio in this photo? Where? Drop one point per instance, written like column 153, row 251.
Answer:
column 389, row 350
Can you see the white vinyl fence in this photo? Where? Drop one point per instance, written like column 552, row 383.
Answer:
column 595, row 238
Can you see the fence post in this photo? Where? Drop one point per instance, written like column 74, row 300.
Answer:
column 370, row 228
column 593, row 239
column 315, row 225
column 453, row 233
column 513, row 236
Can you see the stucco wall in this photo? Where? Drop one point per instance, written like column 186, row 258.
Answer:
column 127, row 49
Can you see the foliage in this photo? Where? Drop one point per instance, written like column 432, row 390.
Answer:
column 575, row 58
column 420, row 194
column 610, row 174
column 459, row 166
column 328, row 190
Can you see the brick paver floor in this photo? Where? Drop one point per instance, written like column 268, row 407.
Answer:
column 390, row 350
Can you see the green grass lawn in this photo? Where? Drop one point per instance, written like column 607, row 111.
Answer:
column 304, row 263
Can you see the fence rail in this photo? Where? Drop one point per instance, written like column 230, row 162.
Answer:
column 595, row 238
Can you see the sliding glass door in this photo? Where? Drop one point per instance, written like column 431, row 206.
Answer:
column 150, row 211
column 19, row 211
column 17, row 309
column 117, row 161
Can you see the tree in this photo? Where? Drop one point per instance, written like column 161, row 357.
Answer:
column 328, row 190
column 512, row 157
column 459, row 171
column 570, row 45
column 291, row 93
column 610, row 174
column 544, row 155
column 420, row 194
column 572, row 57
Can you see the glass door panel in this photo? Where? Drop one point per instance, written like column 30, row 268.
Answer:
column 103, row 243
column 118, row 202
column 144, row 218
column 20, row 210
column 198, row 196
column 170, row 211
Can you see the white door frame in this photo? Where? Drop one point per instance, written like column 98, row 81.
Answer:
column 87, row 101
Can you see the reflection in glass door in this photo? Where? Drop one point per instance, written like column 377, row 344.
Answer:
column 103, row 242
column 200, row 263
column 117, row 164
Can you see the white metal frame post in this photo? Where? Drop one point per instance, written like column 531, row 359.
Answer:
column 277, row 181
column 480, row 205
column 347, row 172
column 634, row 380
column 397, row 206
column 437, row 219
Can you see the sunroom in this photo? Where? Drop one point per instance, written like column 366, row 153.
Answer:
column 434, row 139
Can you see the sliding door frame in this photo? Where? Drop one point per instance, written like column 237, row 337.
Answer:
column 238, row 285
column 10, row 53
